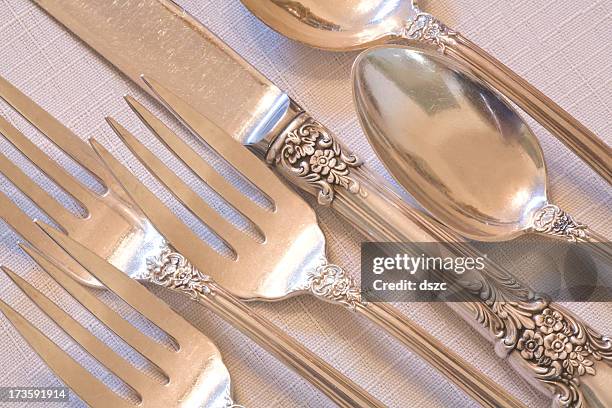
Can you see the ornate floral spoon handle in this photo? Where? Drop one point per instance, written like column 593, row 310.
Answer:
column 594, row 151
column 552, row 221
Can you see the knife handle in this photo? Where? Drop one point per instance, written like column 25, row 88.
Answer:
column 311, row 158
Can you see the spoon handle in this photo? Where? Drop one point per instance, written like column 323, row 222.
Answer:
column 374, row 209
column 591, row 149
column 552, row 221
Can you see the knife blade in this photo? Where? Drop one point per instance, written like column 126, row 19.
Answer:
column 159, row 39
column 230, row 90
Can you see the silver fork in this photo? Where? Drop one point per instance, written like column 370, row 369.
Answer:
column 194, row 373
column 116, row 231
column 290, row 261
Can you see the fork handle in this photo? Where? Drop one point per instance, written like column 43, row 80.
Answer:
column 330, row 381
column 374, row 209
column 428, row 30
column 467, row 377
column 333, row 284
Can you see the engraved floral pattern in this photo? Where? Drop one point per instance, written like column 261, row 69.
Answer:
column 174, row 271
column 310, row 153
column 552, row 220
column 325, row 163
column 558, row 347
column 577, row 363
column 549, row 321
column 562, row 351
column 332, row 283
column 426, row 28
column 531, row 345
column 298, row 147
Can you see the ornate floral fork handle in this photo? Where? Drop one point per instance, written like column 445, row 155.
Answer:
column 595, row 152
column 330, row 283
column 333, row 284
column 172, row 270
column 555, row 351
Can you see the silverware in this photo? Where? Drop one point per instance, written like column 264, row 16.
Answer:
column 255, row 112
column 347, row 25
column 122, row 235
column 291, row 259
column 472, row 162
column 460, row 149
column 196, row 376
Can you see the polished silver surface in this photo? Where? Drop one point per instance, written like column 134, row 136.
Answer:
column 358, row 24
column 130, row 239
column 336, row 25
column 194, row 372
column 125, row 32
column 456, row 145
column 118, row 232
column 375, row 209
column 292, row 245
column 291, row 257
column 502, row 309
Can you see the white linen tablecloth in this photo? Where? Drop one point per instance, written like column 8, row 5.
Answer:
column 561, row 46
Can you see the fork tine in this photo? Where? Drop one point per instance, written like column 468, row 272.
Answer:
column 23, row 226
column 164, row 220
column 57, row 133
column 151, row 350
column 128, row 289
column 200, row 168
column 49, row 205
column 85, row 385
column 181, row 190
column 47, row 165
column 90, row 343
column 228, row 148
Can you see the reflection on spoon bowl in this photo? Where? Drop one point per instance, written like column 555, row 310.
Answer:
column 338, row 25
column 343, row 25
column 456, row 145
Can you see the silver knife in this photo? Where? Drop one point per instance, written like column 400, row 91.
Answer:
column 158, row 39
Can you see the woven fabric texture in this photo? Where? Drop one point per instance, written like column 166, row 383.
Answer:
column 561, row 46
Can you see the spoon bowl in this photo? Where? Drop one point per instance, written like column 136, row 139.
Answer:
column 343, row 25
column 338, row 25
column 456, row 145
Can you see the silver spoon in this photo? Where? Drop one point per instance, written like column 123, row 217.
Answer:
column 356, row 24
column 457, row 146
